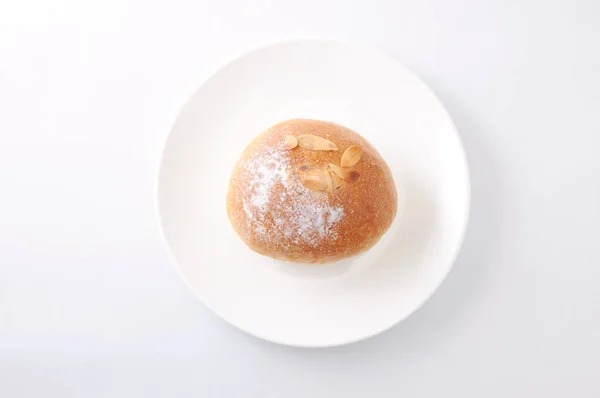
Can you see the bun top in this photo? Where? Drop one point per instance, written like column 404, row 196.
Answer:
column 290, row 198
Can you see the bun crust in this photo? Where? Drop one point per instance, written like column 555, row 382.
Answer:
column 274, row 212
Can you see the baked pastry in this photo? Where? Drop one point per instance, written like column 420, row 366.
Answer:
column 311, row 191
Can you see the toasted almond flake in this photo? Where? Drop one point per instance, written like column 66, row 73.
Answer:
column 326, row 176
column 290, row 142
column 305, row 172
column 335, row 180
column 314, row 184
column 316, row 143
column 343, row 173
column 351, row 156
column 317, row 180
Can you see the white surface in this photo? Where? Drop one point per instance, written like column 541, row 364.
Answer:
column 89, row 305
column 308, row 305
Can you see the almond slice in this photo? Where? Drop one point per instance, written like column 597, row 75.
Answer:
column 315, row 143
column 345, row 174
column 351, row 156
column 317, row 180
column 304, row 172
column 313, row 180
column 290, row 142
column 314, row 183
column 326, row 176
column 335, row 180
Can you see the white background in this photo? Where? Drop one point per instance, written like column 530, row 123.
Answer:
column 91, row 307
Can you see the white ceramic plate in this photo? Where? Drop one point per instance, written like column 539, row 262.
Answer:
column 307, row 305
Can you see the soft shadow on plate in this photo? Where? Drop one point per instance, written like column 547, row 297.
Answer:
column 315, row 271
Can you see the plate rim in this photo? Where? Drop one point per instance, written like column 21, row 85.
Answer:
column 351, row 44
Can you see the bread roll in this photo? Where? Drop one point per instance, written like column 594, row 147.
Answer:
column 310, row 191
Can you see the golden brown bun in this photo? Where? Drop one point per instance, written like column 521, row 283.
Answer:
column 275, row 214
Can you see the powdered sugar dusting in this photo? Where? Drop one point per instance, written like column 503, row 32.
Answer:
column 307, row 217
